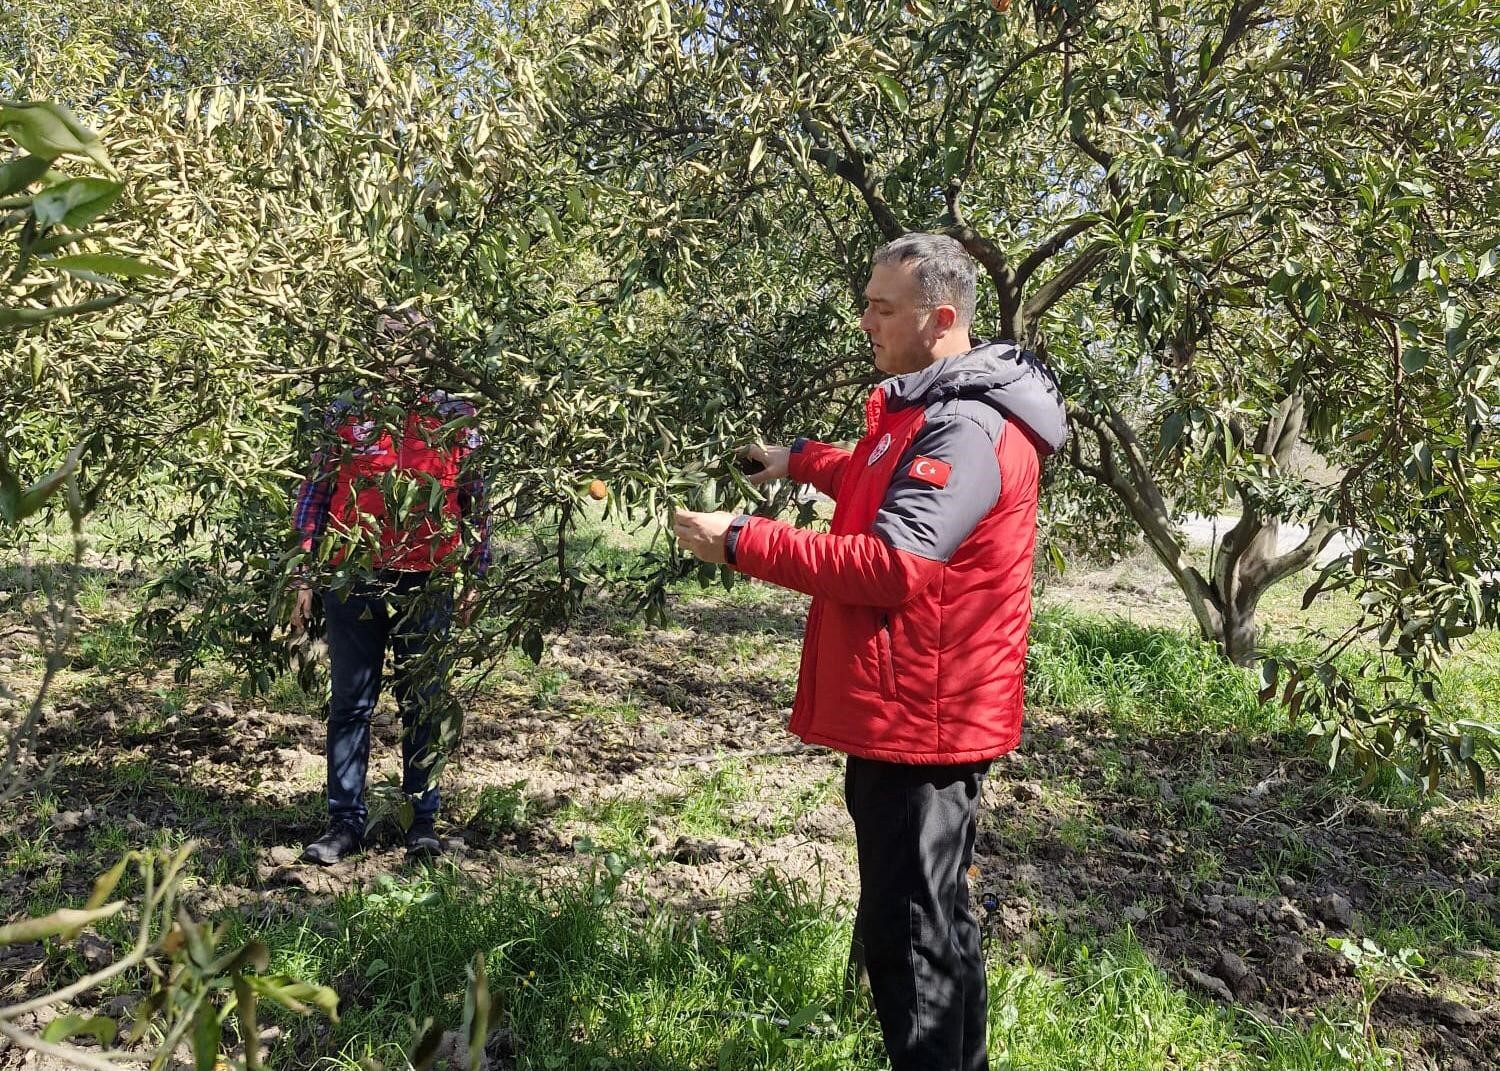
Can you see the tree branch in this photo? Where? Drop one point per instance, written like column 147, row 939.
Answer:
column 1144, row 503
column 1073, row 273
column 852, row 167
column 1168, row 64
column 981, row 249
column 1228, row 154
column 1238, row 25
column 1052, row 246
column 787, row 405
column 1005, row 76
column 1295, row 560
column 1105, row 160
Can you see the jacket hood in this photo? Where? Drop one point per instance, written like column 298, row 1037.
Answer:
column 1002, row 376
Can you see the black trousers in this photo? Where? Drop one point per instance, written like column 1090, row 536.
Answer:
column 410, row 613
column 914, row 828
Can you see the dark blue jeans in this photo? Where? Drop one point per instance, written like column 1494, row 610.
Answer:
column 914, row 831
column 410, row 613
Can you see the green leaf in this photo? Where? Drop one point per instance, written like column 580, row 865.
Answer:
column 1476, row 774
column 757, row 153
column 1270, row 671
column 105, row 264
column 577, row 207
column 893, row 91
column 803, row 1019
column 28, row 317
column 205, row 1037
column 100, row 1028
column 1406, row 274
column 476, row 1011
column 295, row 995
column 1488, row 263
column 1171, row 430
column 1205, row 56
column 10, row 492
column 35, row 929
column 728, row 1055
column 1413, row 359
column 35, row 496
column 553, row 224
column 75, row 202
column 17, row 174
column 49, row 130
column 104, row 885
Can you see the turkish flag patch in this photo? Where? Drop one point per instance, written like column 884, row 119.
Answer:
column 930, row 470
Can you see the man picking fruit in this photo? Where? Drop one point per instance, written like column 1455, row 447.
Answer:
column 915, row 647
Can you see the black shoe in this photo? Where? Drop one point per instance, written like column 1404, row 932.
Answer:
column 422, row 841
column 340, row 841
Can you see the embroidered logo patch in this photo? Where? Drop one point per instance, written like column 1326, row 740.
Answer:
column 880, row 448
column 930, row 470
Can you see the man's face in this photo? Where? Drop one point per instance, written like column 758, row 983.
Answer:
column 401, row 342
column 899, row 326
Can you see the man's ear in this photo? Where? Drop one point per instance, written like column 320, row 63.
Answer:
column 943, row 319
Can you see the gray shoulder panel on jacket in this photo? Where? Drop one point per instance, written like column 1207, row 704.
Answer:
column 945, row 482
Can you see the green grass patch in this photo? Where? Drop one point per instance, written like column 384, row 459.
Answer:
column 110, row 648
column 1153, row 679
column 584, row 981
column 703, row 812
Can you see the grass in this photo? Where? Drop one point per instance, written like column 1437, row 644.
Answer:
column 582, row 981
column 704, row 810
column 1145, row 679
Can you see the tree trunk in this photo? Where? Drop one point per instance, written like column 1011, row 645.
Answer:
column 1244, row 564
column 1237, row 635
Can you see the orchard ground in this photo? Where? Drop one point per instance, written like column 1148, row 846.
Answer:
column 661, row 878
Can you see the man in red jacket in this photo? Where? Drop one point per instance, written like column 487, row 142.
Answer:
column 395, row 504
column 915, row 647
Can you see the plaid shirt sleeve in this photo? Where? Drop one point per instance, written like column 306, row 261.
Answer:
column 473, row 501
column 314, row 496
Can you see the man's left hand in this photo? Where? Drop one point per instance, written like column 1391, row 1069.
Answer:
column 464, row 607
column 702, row 534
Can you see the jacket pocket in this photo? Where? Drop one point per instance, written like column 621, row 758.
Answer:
column 887, row 660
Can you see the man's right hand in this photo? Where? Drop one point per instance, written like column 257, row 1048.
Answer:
column 775, row 459
column 301, row 611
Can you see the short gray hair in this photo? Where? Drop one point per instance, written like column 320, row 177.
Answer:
column 942, row 267
column 403, row 325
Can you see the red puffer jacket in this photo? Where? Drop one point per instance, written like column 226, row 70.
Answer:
column 403, row 492
column 915, row 648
